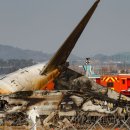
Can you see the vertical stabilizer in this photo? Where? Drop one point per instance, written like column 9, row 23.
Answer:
column 64, row 51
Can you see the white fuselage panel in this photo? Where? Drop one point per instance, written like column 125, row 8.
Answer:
column 21, row 80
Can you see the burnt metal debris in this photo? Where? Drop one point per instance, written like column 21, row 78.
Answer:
column 87, row 106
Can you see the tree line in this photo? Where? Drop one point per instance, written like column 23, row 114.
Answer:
column 8, row 66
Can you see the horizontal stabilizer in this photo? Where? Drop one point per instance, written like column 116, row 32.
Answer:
column 64, row 51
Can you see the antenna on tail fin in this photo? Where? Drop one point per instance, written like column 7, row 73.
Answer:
column 64, row 51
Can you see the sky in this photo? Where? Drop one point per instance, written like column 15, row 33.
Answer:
column 43, row 25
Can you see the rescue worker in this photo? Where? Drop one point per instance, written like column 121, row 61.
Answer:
column 32, row 115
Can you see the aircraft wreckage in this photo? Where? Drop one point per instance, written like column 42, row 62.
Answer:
column 64, row 109
column 78, row 106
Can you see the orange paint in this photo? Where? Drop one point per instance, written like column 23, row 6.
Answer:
column 46, row 81
column 117, row 82
column 49, row 86
column 4, row 91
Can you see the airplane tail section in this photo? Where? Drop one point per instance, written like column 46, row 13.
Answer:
column 64, row 51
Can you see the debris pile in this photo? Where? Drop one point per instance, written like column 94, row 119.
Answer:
column 64, row 109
